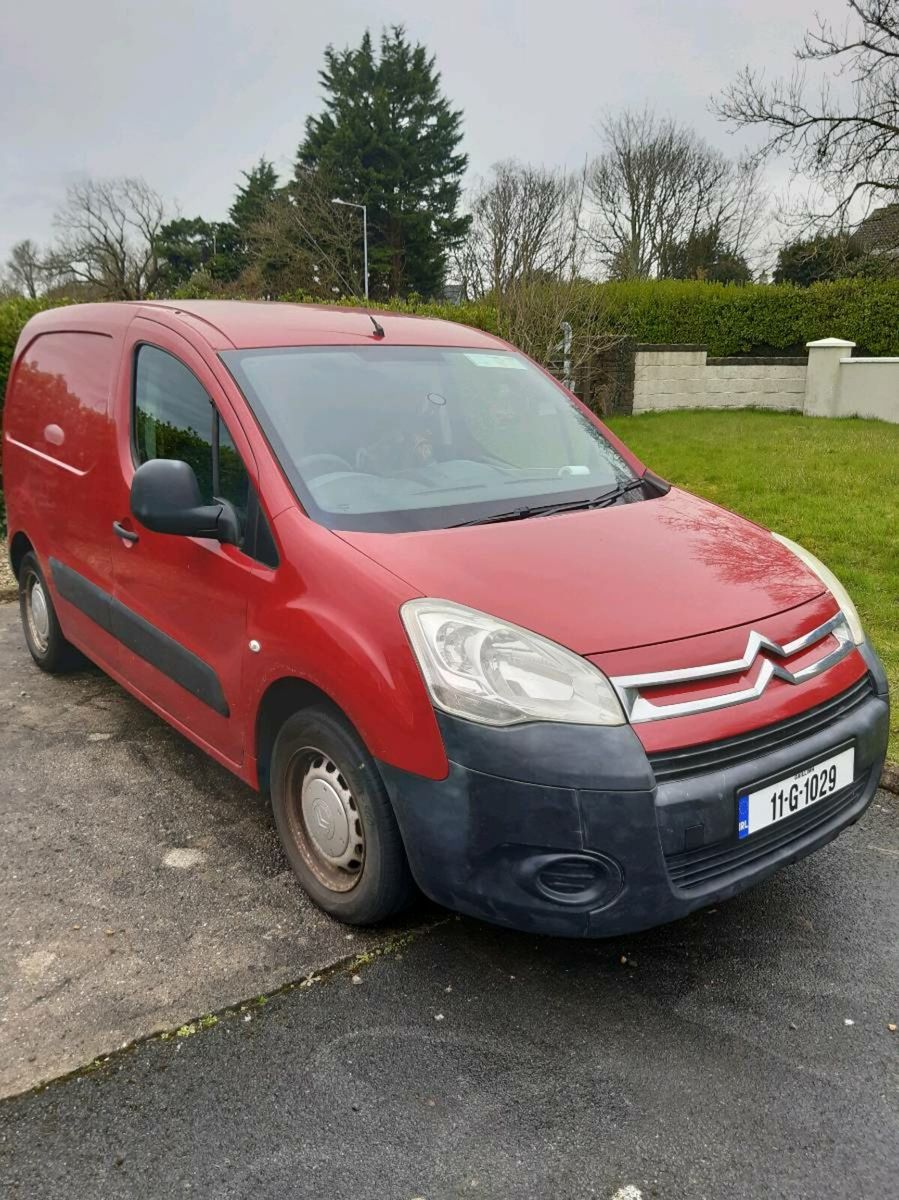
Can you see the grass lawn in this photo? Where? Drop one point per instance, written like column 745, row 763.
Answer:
column 832, row 485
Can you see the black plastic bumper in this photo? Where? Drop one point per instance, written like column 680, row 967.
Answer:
column 563, row 829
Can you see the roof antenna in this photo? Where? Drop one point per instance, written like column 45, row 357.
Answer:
column 379, row 328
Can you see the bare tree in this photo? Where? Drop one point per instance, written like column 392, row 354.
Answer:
column 25, row 269
column 742, row 210
column 303, row 242
column 525, row 225
column 843, row 134
column 532, row 315
column 109, row 238
column 656, row 185
column 525, row 250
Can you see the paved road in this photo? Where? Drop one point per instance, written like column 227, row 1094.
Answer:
column 140, row 883
column 717, row 1061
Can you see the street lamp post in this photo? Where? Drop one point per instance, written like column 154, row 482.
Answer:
column 351, row 204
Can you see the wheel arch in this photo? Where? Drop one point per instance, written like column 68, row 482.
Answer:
column 19, row 546
column 280, row 700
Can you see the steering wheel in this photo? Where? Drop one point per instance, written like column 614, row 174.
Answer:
column 314, row 465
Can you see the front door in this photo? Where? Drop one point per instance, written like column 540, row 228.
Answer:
column 181, row 602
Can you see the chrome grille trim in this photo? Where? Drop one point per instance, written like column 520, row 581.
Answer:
column 639, row 709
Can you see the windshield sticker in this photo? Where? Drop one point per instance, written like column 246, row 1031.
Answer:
column 501, row 359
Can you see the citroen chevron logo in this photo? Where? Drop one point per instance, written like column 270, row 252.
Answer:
column 638, row 708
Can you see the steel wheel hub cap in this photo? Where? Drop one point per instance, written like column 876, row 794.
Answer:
column 331, row 816
column 39, row 612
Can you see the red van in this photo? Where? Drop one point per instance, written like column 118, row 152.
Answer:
column 392, row 572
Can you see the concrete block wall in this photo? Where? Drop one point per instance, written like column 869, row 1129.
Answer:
column 869, row 387
column 667, row 377
column 829, row 383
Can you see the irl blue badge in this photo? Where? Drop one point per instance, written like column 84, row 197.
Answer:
column 743, row 817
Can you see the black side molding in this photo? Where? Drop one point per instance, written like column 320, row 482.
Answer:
column 93, row 601
column 142, row 638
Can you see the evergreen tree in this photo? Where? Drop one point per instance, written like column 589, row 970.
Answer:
column 185, row 245
column 258, row 190
column 190, row 244
column 816, row 260
column 389, row 139
column 703, row 255
column 255, row 198
column 220, row 248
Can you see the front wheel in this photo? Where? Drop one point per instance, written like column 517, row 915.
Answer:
column 335, row 820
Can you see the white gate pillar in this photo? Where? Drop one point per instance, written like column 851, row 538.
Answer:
column 822, row 377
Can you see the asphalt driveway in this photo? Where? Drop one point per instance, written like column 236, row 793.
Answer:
column 746, row 1051
column 140, row 883
column 742, row 1053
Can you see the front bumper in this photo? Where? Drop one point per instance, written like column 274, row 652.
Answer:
column 564, row 829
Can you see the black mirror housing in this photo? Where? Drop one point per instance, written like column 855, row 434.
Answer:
column 165, row 497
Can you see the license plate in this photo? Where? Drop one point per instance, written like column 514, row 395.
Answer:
column 776, row 801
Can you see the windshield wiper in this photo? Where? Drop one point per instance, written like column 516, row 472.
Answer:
column 547, row 510
column 621, row 490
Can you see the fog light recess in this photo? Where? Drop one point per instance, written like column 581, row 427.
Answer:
column 577, row 879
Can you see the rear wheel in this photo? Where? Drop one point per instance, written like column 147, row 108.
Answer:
column 43, row 634
column 335, row 819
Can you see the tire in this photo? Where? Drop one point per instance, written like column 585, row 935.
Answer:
column 43, row 635
column 323, row 779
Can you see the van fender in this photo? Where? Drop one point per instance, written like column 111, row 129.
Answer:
column 376, row 685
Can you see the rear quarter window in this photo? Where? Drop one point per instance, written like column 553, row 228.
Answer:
column 59, row 397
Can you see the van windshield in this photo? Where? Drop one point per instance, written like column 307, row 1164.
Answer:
column 397, row 438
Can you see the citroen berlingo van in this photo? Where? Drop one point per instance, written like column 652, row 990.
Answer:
column 392, row 572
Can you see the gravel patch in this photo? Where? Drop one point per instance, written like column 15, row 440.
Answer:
column 141, row 885
column 8, row 590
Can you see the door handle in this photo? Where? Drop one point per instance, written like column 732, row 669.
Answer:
column 127, row 535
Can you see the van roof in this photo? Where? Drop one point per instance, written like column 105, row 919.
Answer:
column 242, row 324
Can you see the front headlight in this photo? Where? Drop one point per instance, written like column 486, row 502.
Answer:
column 486, row 670
column 833, row 585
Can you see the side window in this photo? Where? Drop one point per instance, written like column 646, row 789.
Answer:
column 174, row 417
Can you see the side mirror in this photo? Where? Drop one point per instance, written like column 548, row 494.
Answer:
column 165, row 497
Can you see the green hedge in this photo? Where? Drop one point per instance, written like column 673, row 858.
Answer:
column 737, row 320
column 13, row 315
column 727, row 319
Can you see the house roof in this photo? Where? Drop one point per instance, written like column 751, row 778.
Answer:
column 879, row 231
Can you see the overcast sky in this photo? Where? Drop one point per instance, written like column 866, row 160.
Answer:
column 188, row 93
